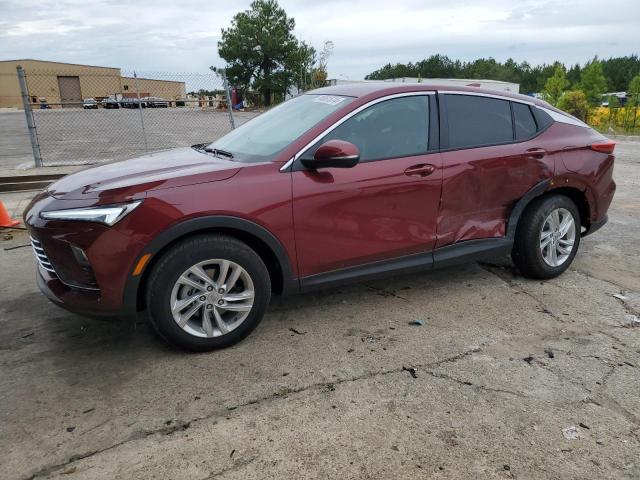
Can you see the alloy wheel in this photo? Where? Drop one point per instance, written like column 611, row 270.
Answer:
column 557, row 237
column 212, row 298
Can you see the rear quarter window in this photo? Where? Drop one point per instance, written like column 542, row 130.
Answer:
column 543, row 119
column 475, row 121
column 525, row 123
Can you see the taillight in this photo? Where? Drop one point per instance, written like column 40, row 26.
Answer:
column 605, row 146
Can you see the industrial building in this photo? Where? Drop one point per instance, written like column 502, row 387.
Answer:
column 58, row 84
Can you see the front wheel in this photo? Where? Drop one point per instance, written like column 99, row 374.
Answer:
column 208, row 292
column 547, row 237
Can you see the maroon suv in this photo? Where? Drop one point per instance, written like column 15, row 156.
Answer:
column 340, row 184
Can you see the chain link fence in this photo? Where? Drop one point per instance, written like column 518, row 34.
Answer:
column 94, row 114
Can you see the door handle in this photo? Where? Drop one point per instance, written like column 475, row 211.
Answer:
column 535, row 153
column 420, row 170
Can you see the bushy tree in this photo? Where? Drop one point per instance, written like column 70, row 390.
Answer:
column 619, row 71
column 261, row 50
column 555, row 85
column 592, row 82
column 320, row 73
column 573, row 74
column 633, row 92
column 613, row 104
column 574, row 102
column 301, row 65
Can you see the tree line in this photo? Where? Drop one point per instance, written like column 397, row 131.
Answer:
column 618, row 71
column 578, row 89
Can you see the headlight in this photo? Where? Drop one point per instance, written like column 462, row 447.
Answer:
column 109, row 214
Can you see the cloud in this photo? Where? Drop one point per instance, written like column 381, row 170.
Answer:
column 165, row 35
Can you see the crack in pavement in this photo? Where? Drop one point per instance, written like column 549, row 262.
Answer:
column 488, row 267
column 608, row 401
column 237, row 465
column 605, row 280
column 612, row 337
column 282, row 393
column 385, row 292
column 444, row 376
column 494, row 269
column 167, row 430
column 602, row 399
column 628, row 308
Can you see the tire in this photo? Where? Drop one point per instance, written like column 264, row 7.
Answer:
column 172, row 283
column 537, row 226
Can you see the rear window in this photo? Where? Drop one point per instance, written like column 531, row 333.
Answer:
column 524, row 122
column 475, row 121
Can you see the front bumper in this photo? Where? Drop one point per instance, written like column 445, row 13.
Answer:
column 96, row 289
column 76, row 301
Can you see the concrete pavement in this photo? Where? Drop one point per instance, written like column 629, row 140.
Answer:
column 513, row 378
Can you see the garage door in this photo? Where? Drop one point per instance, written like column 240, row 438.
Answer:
column 70, row 94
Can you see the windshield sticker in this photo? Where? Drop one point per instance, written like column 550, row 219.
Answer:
column 328, row 99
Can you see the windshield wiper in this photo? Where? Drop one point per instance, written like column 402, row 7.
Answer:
column 217, row 152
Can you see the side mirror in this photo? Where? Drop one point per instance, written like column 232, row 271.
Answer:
column 334, row 153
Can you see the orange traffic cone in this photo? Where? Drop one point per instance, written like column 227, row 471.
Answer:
column 5, row 219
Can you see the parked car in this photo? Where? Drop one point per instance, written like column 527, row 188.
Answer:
column 155, row 102
column 131, row 103
column 90, row 104
column 340, row 184
column 110, row 103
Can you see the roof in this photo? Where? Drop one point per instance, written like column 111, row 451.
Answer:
column 59, row 63
column 472, row 80
column 129, row 77
column 389, row 88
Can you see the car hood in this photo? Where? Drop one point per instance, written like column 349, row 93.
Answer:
column 129, row 178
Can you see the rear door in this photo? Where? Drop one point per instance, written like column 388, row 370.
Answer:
column 385, row 206
column 492, row 155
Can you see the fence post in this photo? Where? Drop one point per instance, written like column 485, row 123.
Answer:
column 31, row 125
column 144, row 132
column 228, row 94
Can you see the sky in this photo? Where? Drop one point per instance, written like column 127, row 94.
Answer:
column 182, row 36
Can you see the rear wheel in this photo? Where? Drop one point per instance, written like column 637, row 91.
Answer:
column 547, row 237
column 208, row 292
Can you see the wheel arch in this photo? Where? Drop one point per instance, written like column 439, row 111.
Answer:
column 580, row 199
column 546, row 188
column 263, row 242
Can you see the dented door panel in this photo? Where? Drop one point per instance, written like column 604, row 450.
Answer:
column 481, row 186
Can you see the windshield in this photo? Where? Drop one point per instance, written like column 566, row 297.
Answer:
column 264, row 136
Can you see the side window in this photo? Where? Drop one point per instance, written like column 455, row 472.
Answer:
column 394, row 128
column 524, row 122
column 476, row 121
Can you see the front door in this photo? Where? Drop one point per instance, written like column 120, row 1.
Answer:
column 384, row 207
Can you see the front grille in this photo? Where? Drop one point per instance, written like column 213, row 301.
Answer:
column 41, row 256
